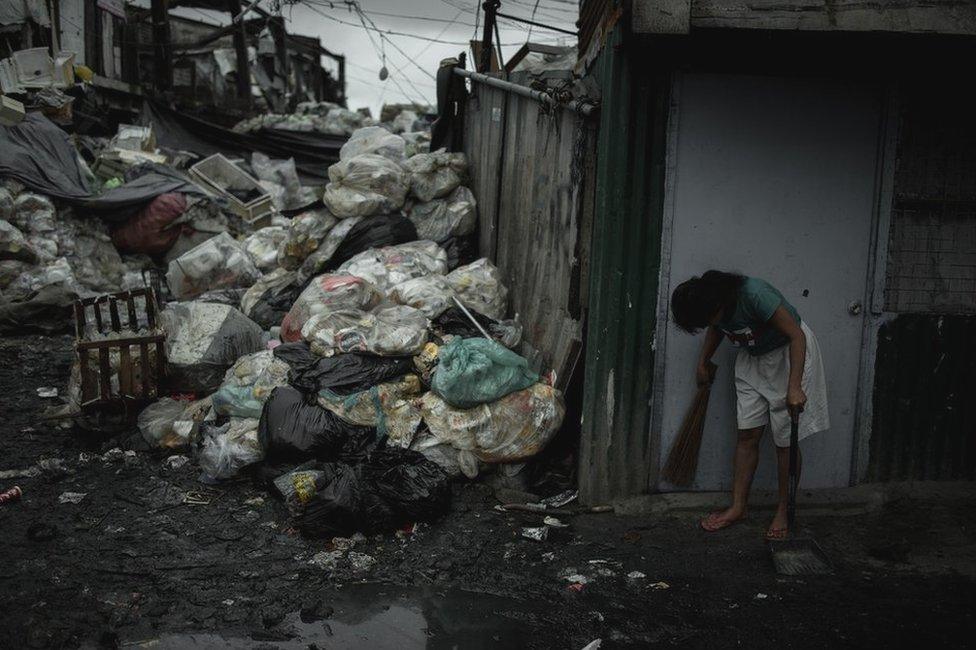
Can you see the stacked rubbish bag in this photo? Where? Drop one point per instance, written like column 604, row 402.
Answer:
column 348, row 350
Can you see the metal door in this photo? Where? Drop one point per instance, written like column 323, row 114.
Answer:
column 775, row 178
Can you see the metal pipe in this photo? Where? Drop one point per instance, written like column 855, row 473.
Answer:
column 582, row 107
column 472, row 318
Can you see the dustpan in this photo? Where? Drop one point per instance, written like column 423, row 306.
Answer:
column 796, row 554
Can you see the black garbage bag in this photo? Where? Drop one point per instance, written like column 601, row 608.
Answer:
column 293, row 428
column 373, row 232
column 343, row 374
column 392, row 488
column 460, row 250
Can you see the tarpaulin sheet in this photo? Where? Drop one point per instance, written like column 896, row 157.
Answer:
column 38, row 154
column 313, row 152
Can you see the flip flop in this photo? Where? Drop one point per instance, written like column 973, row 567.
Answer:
column 777, row 534
column 717, row 527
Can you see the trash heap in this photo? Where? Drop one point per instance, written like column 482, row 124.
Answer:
column 354, row 357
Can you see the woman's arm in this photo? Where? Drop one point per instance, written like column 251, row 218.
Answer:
column 796, row 399
column 706, row 369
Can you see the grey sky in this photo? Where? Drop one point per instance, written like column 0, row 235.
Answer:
column 409, row 60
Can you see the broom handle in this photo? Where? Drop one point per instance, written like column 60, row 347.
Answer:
column 794, row 479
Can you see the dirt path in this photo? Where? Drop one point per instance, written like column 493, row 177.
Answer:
column 136, row 562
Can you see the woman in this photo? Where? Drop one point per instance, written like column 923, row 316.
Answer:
column 778, row 374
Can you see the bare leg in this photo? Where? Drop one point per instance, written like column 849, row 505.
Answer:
column 777, row 529
column 743, row 470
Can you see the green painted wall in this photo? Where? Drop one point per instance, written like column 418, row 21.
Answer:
column 617, row 457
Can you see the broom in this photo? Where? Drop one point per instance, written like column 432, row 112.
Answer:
column 683, row 457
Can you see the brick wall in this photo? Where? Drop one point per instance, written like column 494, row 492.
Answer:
column 932, row 245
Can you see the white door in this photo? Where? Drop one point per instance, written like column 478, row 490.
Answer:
column 772, row 177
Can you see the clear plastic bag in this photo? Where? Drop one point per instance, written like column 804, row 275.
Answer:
column 248, row 384
column 479, row 286
column 230, row 448
column 390, row 407
column 218, row 263
column 417, row 142
column 156, row 424
column 440, row 219
column 364, row 185
column 268, row 300
column 431, row 294
column 393, row 331
column 284, row 174
column 35, row 278
column 404, row 121
column 13, row 244
column 389, row 266
column 262, row 247
column 510, row 430
column 437, row 174
column 307, row 232
column 374, row 140
column 478, row 371
column 328, row 293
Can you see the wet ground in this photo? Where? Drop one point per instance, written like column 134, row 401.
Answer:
column 150, row 557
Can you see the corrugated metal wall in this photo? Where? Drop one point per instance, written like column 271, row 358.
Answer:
column 924, row 416
column 617, row 457
column 528, row 170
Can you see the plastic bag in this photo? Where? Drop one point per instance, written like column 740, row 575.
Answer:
column 262, row 247
column 218, row 263
column 13, row 244
column 388, row 407
column 360, row 235
column 478, row 371
column 307, row 232
column 479, row 286
column 283, row 173
column 342, row 374
column 374, row 140
column 151, row 230
column 6, row 204
column 248, row 384
column 452, row 461
column 342, row 121
column 55, row 274
column 328, row 293
column 156, row 424
column 516, row 427
column 88, row 247
column 393, row 487
column 33, row 214
column 455, row 322
column 294, row 429
column 230, row 448
column 441, row 219
column 437, row 174
column 365, row 185
column 393, row 331
column 268, row 300
column 390, row 266
column 203, row 340
column 404, row 121
column 417, row 142
column 431, row 294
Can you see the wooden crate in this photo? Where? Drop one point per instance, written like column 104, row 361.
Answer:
column 120, row 365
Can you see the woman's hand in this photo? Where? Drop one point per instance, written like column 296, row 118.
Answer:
column 796, row 399
column 705, row 373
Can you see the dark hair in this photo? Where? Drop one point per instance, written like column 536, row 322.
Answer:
column 695, row 302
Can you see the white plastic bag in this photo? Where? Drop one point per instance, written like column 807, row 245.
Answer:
column 404, row 121
column 284, row 174
column 417, row 142
column 248, row 384
column 328, row 293
column 393, row 331
column 374, row 140
column 13, row 244
column 364, row 185
column 389, row 266
column 36, row 278
column 156, row 424
column 513, row 429
column 230, row 448
column 262, row 247
column 218, row 263
column 479, row 286
column 437, row 174
column 454, row 215
column 431, row 294
column 306, row 234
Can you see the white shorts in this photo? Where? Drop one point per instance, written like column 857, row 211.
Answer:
column 760, row 389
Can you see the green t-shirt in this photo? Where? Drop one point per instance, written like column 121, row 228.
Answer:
column 749, row 325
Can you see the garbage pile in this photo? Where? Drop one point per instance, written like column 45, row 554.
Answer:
column 355, row 357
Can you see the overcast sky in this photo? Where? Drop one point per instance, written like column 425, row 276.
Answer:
column 411, row 58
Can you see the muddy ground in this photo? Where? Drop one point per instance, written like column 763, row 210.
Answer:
column 150, row 557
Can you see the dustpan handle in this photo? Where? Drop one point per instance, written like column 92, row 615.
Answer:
column 794, row 478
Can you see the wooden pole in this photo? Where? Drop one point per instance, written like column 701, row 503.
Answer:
column 240, row 46
column 162, row 45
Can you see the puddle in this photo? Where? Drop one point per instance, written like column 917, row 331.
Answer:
column 383, row 617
